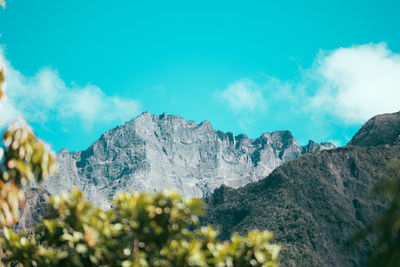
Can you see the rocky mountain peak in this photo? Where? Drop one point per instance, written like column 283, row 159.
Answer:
column 152, row 152
column 312, row 146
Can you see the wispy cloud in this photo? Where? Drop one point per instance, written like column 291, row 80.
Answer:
column 243, row 95
column 45, row 97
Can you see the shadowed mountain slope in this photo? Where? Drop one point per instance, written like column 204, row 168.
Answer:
column 314, row 203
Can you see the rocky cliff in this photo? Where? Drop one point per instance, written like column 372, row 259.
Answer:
column 36, row 201
column 152, row 152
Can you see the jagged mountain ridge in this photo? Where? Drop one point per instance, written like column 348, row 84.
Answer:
column 153, row 152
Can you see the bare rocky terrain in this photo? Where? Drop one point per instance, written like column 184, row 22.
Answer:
column 153, row 152
column 36, row 201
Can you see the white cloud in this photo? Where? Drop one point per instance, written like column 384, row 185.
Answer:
column 357, row 83
column 352, row 84
column 243, row 95
column 45, row 97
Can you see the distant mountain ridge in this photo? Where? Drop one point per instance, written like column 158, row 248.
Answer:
column 153, row 152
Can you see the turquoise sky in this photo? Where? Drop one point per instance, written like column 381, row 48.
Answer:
column 203, row 60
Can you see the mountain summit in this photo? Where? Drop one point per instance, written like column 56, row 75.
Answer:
column 153, row 152
column 383, row 129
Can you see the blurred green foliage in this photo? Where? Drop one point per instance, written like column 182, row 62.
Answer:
column 23, row 159
column 141, row 229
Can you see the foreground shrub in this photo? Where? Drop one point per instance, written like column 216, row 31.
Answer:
column 23, row 159
column 141, row 229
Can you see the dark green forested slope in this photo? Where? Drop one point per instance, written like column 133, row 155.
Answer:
column 314, row 203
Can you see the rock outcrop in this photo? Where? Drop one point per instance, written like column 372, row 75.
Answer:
column 152, row 152
column 36, row 205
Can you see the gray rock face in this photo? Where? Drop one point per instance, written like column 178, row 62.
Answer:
column 152, row 152
column 36, row 201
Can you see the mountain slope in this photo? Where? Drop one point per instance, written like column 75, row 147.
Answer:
column 153, row 152
column 314, row 203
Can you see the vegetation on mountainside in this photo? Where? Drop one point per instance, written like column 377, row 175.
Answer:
column 312, row 204
column 386, row 229
column 139, row 230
